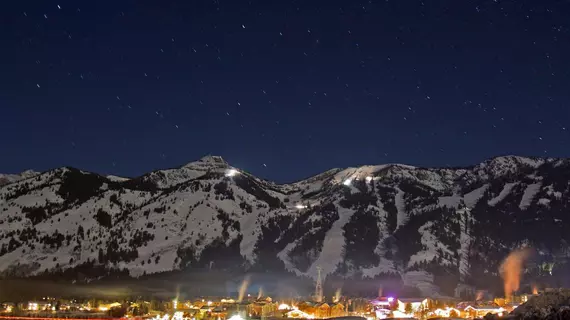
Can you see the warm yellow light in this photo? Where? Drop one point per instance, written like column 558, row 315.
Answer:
column 235, row 317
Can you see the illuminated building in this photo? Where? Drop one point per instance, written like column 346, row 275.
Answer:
column 483, row 310
column 447, row 312
column 296, row 314
column 415, row 303
column 323, row 310
column 107, row 307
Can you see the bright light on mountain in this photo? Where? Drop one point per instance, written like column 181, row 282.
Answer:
column 231, row 172
column 300, row 206
column 368, row 179
column 347, row 182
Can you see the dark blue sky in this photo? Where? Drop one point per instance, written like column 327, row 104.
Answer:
column 283, row 89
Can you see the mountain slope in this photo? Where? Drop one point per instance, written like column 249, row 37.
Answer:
column 10, row 178
column 434, row 229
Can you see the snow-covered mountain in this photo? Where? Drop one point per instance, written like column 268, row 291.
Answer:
column 9, row 178
column 435, row 229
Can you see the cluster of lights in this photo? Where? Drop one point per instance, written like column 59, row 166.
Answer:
column 284, row 306
column 236, row 317
column 179, row 315
column 300, row 313
column 348, row 181
column 164, row 317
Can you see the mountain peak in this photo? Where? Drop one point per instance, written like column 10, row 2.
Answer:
column 207, row 162
column 213, row 159
column 29, row 173
column 502, row 165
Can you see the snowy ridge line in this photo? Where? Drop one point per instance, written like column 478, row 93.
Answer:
column 208, row 214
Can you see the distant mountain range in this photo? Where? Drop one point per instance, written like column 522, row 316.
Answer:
column 441, row 230
column 9, row 178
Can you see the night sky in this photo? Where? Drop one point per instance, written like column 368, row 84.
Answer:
column 283, row 89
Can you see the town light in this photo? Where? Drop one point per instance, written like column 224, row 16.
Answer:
column 300, row 206
column 347, row 182
column 283, row 306
column 368, row 179
column 390, row 299
column 235, row 317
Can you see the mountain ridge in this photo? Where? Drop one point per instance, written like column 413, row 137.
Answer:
column 13, row 177
column 418, row 225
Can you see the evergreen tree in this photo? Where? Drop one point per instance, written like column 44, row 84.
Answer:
column 408, row 308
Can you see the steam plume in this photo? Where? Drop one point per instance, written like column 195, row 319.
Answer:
column 337, row 295
column 243, row 288
column 511, row 270
column 260, row 293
